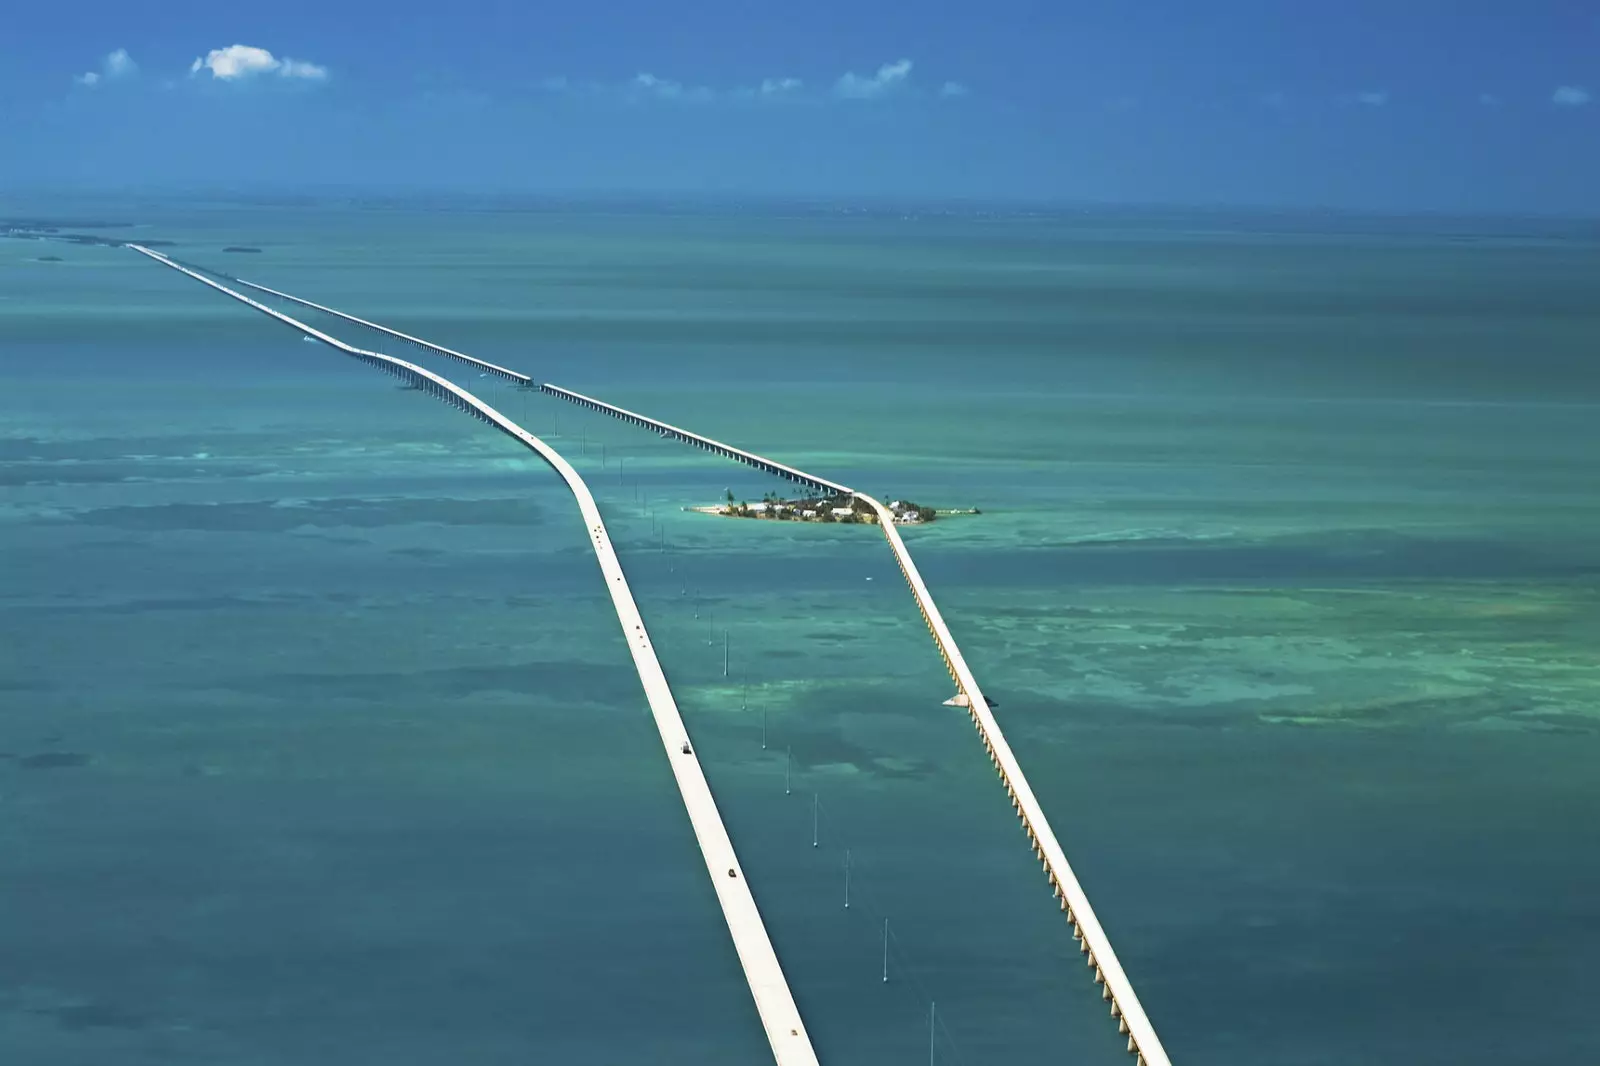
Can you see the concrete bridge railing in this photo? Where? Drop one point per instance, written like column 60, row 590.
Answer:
column 418, row 342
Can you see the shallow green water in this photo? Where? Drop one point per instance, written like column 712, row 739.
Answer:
column 323, row 745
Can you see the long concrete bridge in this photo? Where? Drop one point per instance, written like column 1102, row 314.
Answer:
column 416, row 342
column 780, row 1017
column 715, row 447
column 1093, row 943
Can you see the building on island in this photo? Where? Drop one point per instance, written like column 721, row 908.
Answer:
column 833, row 508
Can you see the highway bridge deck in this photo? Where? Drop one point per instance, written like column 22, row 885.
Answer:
column 780, row 1017
column 1092, row 940
column 1093, row 943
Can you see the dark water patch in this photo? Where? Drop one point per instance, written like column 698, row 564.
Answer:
column 79, row 1017
column 1553, row 721
column 150, row 605
column 241, row 248
column 577, row 682
column 1045, row 716
column 814, row 731
column 22, row 684
column 1285, row 561
column 419, row 553
column 37, row 449
column 814, row 749
column 53, row 760
column 272, row 517
column 1426, row 712
column 16, row 475
column 15, row 448
column 329, row 538
column 1051, row 613
column 110, row 544
column 1137, row 543
column 172, row 447
column 900, row 768
column 1256, row 853
column 49, row 259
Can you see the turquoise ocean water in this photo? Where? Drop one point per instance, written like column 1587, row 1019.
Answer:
column 321, row 744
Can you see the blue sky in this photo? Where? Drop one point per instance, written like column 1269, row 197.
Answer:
column 1399, row 105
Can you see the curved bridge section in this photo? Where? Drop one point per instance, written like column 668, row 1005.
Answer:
column 418, row 342
column 791, row 1045
column 1093, row 944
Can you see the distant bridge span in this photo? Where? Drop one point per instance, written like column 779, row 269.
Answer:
column 780, row 1017
column 716, row 447
column 1093, row 943
column 427, row 346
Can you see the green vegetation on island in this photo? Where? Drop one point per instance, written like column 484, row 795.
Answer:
column 836, row 508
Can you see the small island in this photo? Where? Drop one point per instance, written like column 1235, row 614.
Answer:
column 844, row 509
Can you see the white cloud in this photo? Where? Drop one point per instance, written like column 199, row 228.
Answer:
column 770, row 89
column 297, row 68
column 118, row 64
column 889, row 77
column 1372, row 97
column 1570, row 96
column 645, row 85
column 666, row 89
column 240, row 61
